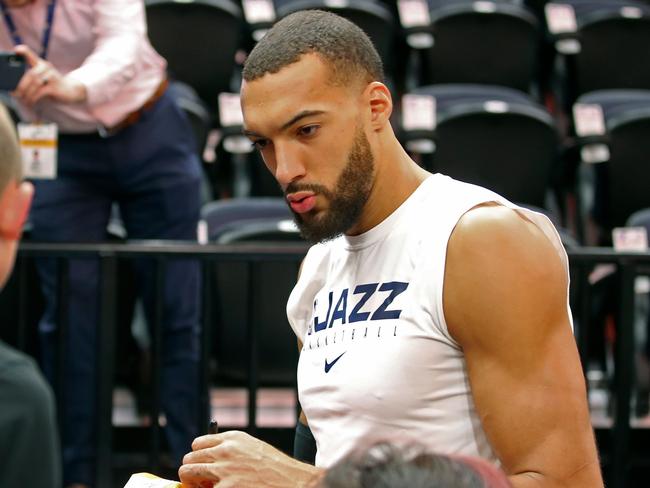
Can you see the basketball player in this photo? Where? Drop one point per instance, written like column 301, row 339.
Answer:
column 428, row 308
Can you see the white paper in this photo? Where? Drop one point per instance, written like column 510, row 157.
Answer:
column 230, row 113
column 38, row 147
column 146, row 480
column 418, row 112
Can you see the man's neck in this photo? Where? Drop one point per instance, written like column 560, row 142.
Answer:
column 397, row 176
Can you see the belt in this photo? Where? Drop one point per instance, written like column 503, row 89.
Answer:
column 135, row 116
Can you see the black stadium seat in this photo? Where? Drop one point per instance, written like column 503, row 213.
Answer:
column 253, row 220
column 199, row 40
column 491, row 136
column 201, row 121
column 603, row 44
column 196, row 111
column 485, row 42
column 622, row 174
column 223, row 216
column 264, row 230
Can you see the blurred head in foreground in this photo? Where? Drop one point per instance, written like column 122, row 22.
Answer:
column 386, row 466
column 15, row 195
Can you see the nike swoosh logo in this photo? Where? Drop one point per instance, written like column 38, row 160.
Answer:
column 328, row 366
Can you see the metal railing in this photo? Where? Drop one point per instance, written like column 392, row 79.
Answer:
column 109, row 255
column 629, row 265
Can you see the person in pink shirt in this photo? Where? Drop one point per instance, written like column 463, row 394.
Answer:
column 121, row 139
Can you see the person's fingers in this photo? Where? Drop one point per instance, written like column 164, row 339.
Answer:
column 32, row 77
column 44, row 91
column 198, row 473
column 35, row 91
column 31, row 90
column 30, row 56
column 200, row 484
column 27, row 79
column 42, row 71
column 31, row 81
column 207, row 455
column 27, row 90
column 44, row 82
column 206, row 441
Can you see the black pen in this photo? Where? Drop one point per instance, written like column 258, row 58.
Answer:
column 213, row 428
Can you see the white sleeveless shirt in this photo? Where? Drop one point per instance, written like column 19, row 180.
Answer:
column 378, row 362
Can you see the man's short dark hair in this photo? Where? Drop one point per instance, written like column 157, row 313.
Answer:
column 339, row 42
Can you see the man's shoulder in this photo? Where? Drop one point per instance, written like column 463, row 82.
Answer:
column 19, row 372
column 488, row 217
column 10, row 357
column 501, row 261
column 496, row 228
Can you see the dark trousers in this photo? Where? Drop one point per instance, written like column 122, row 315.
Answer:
column 151, row 170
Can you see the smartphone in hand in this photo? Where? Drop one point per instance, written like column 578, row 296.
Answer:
column 12, row 69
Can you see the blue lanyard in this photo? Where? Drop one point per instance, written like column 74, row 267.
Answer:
column 11, row 26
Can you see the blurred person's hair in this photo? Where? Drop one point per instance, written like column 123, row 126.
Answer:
column 384, row 465
column 341, row 44
column 10, row 162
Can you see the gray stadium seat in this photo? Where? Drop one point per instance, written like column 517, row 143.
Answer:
column 267, row 283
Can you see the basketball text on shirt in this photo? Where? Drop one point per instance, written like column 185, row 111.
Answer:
column 372, row 303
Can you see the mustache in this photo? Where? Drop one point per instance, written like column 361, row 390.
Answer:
column 295, row 187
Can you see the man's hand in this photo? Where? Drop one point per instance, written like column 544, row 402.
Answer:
column 44, row 80
column 235, row 459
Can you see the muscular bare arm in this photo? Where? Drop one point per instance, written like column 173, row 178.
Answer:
column 505, row 302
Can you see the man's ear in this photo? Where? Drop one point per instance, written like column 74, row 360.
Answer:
column 381, row 104
column 14, row 207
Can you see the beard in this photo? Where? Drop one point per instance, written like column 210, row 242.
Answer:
column 346, row 200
